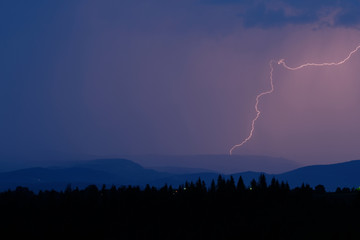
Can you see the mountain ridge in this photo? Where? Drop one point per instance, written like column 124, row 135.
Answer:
column 125, row 172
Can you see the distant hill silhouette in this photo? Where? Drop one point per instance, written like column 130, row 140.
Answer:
column 101, row 171
column 224, row 163
column 131, row 172
column 345, row 174
column 125, row 172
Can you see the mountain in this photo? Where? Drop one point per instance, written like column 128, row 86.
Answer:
column 58, row 179
column 17, row 161
column 125, row 172
column 101, row 171
column 181, row 170
column 346, row 174
column 224, row 164
column 133, row 172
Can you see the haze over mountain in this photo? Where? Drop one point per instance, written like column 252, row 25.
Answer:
column 219, row 163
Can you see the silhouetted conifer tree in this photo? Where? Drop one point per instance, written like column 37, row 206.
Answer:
column 230, row 185
column 186, row 186
column 262, row 182
column 203, row 186
column 147, row 188
column 213, row 186
column 192, row 187
column 320, row 189
column 220, row 184
column 253, row 184
column 199, row 185
column 274, row 185
column 165, row 189
column 240, row 187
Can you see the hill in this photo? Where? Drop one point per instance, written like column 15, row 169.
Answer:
column 125, row 172
column 224, row 164
column 344, row 174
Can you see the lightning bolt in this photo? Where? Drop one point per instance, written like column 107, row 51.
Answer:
column 260, row 95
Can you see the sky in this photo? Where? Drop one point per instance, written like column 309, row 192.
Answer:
column 112, row 78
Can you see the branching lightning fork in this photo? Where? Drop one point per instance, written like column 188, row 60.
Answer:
column 260, row 95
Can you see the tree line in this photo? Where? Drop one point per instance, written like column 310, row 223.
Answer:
column 227, row 209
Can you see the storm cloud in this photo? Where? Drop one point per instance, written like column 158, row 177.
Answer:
column 280, row 13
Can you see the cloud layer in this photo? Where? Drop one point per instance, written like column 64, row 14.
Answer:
column 279, row 13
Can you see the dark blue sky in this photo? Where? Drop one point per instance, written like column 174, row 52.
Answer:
column 167, row 77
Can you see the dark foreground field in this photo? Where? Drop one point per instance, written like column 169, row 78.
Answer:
column 224, row 210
